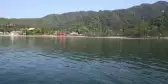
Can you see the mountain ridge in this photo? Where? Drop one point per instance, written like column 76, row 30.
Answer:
column 97, row 21
column 158, row 2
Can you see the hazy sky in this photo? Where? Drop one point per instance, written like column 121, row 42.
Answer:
column 40, row 8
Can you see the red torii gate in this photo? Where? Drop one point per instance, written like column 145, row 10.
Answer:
column 62, row 34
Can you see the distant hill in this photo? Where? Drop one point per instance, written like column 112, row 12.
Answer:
column 52, row 20
column 134, row 20
column 107, row 20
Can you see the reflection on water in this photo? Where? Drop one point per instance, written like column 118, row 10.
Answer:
column 25, row 60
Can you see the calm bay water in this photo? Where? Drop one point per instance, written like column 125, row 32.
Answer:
column 82, row 61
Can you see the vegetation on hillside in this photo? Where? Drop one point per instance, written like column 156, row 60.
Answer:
column 138, row 21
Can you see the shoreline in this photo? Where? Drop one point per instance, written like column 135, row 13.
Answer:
column 111, row 37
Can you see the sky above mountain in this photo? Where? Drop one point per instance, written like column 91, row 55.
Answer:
column 40, row 8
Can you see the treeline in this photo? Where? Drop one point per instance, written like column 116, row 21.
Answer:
column 123, row 23
column 138, row 21
column 25, row 29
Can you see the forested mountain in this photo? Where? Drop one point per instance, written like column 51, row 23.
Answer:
column 142, row 20
column 52, row 20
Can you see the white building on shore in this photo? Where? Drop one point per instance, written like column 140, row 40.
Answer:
column 15, row 33
column 31, row 29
